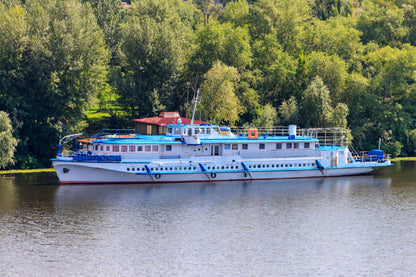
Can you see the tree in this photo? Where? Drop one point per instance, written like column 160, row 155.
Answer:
column 381, row 23
column 7, row 141
column 330, row 68
column 278, row 69
column 317, row 105
column 65, row 66
column 324, row 9
column 219, row 104
column 335, row 36
column 236, row 12
column 267, row 118
column 289, row 112
column 157, row 43
column 284, row 19
column 224, row 42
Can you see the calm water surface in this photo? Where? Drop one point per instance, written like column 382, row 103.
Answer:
column 355, row 226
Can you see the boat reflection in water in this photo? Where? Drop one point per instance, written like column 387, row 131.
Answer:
column 165, row 191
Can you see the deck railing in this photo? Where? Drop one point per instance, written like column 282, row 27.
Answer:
column 326, row 136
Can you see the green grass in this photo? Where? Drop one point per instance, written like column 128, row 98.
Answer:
column 403, row 159
column 17, row 171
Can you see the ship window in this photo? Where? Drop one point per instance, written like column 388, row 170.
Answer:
column 208, row 131
column 226, row 146
column 278, row 146
column 107, row 148
column 155, row 148
column 128, row 169
column 169, row 130
column 289, row 145
column 168, row 147
column 306, row 145
column 101, row 148
column 133, row 169
column 189, row 132
column 245, row 146
column 96, row 147
column 124, row 148
column 262, row 146
column 296, row 145
column 177, row 131
column 235, row 146
column 116, row 148
column 132, row 148
column 147, row 148
column 139, row 148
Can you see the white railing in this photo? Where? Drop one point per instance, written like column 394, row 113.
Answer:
column 326, row 136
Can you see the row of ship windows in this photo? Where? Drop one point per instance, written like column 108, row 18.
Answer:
column 224, row 167
column 155, row 148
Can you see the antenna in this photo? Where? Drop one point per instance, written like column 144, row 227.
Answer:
column 195, row 100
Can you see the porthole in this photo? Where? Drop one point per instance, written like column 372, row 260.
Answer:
column 133, row 169
column 209, row 167
column 128, row 169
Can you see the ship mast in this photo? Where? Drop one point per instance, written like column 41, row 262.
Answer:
column 195, row 100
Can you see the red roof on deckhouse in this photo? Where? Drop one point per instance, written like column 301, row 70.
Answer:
column 166, row 118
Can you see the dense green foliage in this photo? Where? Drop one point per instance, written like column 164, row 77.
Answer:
column 318, row 63
column 7, row 141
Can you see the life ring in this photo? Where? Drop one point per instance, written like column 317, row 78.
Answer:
column 213, row 175
column 157, row 175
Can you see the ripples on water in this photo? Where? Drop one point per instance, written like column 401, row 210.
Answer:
column 356, row 226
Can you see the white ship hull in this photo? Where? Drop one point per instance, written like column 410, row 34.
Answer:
column 97, row 173
column 201, row 153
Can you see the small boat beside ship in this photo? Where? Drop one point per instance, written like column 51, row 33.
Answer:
column 205, row 153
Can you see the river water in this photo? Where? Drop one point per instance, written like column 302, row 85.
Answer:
column 355, row 226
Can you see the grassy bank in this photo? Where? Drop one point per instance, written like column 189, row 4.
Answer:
column 16, row 171
column 403, row 159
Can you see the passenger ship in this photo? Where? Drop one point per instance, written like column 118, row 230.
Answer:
column 204, row 153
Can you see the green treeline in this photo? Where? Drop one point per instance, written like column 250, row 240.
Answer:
column 317, row 63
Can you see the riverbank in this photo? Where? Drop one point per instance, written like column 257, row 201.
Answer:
column 403, row 159
column 17, row 171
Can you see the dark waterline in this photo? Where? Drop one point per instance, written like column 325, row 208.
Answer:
column 352, row 226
